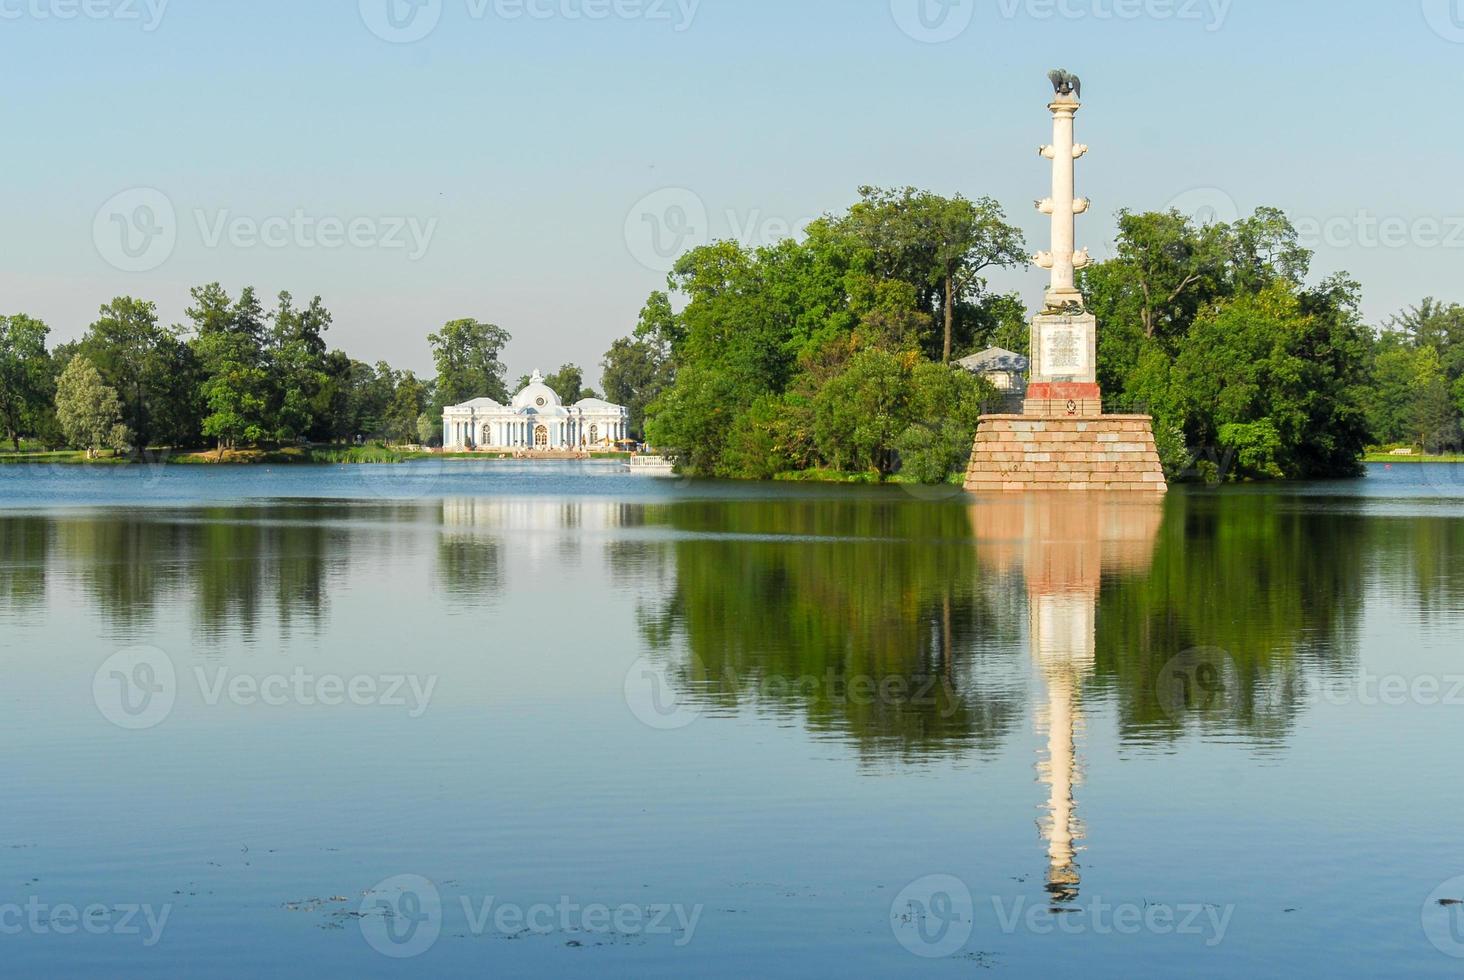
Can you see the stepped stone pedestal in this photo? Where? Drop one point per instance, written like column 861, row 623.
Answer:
column 1027, row 453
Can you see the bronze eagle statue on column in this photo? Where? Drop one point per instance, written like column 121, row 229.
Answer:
column 1065, row 82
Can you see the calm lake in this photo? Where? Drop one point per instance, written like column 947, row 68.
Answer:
column 470, row 719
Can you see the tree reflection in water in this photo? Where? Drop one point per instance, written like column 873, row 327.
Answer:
column 865, row 616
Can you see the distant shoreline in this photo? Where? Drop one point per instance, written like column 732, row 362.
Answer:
column 305, row 456
column 1373, row 458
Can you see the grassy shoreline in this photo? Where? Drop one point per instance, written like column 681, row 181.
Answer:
column 301, row 455
column 382, row 455
column 1420, row 458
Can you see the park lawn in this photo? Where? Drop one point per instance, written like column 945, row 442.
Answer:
column 1417, row 458
column 63, row 457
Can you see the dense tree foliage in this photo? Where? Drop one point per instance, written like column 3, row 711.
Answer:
column 26, row 381
column 468, row 356
column 233, row 375
column 1417, row 393
column 637, row 369
column 822, row 352
column 89, row 411
column 1247, row 370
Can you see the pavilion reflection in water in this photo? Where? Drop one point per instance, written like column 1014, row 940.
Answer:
column 1064, row 545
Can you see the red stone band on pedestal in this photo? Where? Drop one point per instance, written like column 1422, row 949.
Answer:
column 1061, row 391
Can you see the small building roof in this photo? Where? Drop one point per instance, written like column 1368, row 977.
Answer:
column 994, row 359
column 477, row 404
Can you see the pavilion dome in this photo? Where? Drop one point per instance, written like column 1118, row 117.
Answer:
column 537, row 396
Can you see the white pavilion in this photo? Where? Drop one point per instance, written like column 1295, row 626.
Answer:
column 536, row 420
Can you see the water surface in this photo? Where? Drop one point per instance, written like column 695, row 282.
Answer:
column 324, row 716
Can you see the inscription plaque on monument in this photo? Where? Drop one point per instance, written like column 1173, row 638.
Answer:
column 1063, row 355
column 1065, row 348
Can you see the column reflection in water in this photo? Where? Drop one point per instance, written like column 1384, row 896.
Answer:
column 1064, row 545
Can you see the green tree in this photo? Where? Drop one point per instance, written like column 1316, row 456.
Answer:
column 1399, row 375
column 1418, row 376
column 863, row 410
column 26, row 384
column 1437, row 325
column 299, row 370
column 946, row 405
column 942, row 245
column 89, row 411
column 407, row 403
column 694, row 417
column 468, row 355
column 1271, row 382
column 429, row 429
column 229, row 343
column 149, row 369
column 568, row 383
column 638, row 368
column 1174, row 268
column 1435, row 417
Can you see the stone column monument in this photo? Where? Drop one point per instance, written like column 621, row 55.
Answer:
column 1062, row 440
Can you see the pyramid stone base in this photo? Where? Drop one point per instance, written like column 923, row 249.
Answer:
column 1026, row 453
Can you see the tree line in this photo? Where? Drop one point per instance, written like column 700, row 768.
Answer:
column 235, row 374
column 834, row 352
column 829, row 353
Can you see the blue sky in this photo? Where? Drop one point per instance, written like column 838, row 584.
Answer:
column 514, row 162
